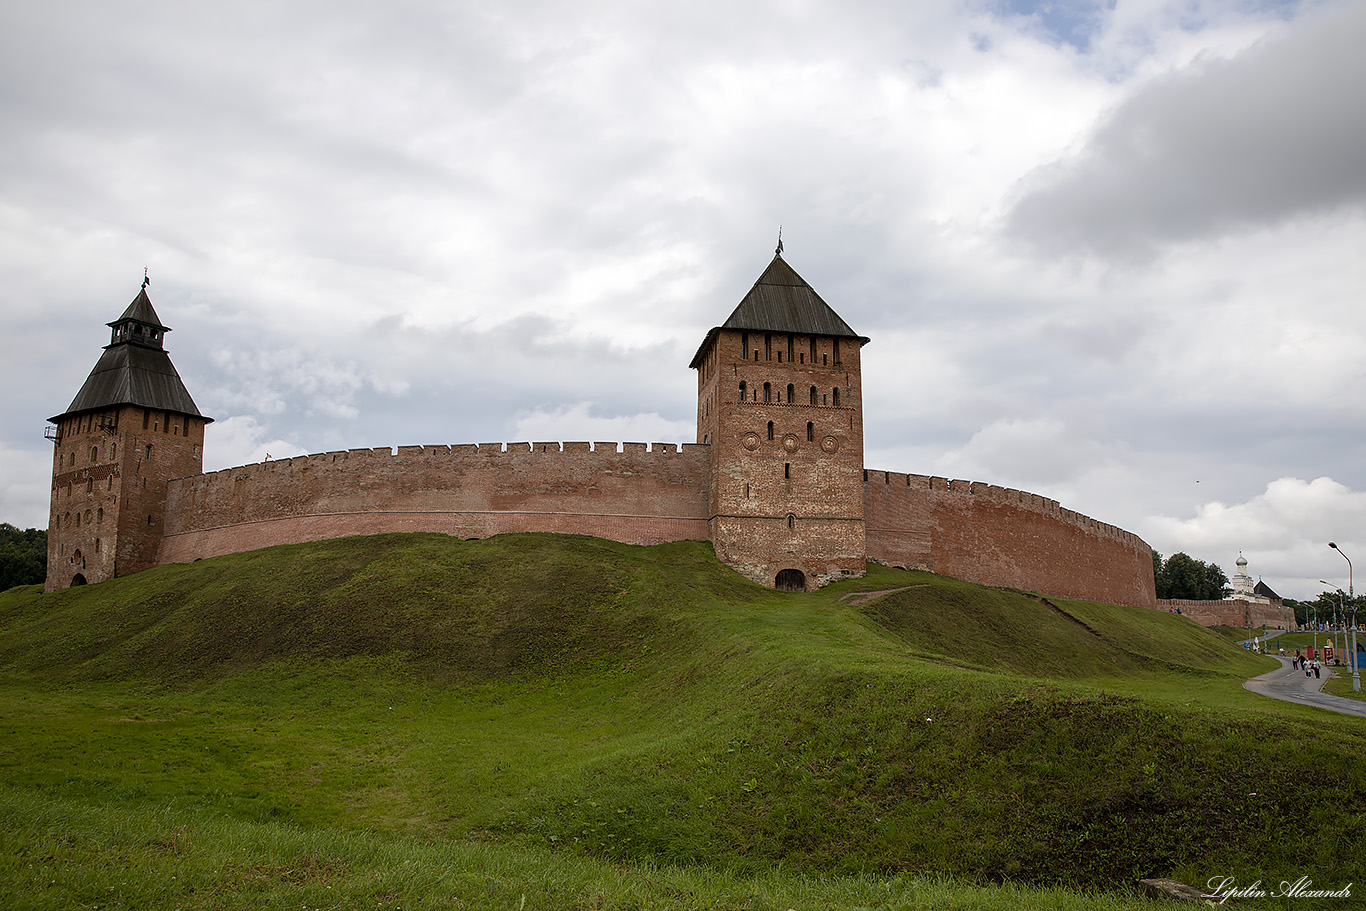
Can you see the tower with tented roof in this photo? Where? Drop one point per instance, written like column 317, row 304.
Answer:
column 780, row 405
column 130, row 429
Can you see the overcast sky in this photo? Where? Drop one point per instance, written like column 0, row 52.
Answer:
column 1111, row 253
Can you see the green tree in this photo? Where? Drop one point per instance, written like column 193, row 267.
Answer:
column 1184, row 577
column 23, row 556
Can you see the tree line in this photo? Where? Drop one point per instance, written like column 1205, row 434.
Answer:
column 1184, row 577
column 23, row 556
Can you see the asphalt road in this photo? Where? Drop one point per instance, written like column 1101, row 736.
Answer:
column 1292, row 686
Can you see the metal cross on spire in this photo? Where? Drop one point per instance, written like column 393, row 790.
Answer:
column 779, row 251
column 145, row 280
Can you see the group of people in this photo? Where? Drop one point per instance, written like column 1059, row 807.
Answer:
column 1309, row 666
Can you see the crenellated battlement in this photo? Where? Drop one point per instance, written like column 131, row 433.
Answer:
column 430, row 453
column 1005, row 495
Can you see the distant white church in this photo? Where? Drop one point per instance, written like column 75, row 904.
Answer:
column 1244, row 589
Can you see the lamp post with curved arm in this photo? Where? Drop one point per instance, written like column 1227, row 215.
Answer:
column 1352, row 599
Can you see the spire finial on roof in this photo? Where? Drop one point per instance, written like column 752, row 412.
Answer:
column 145, row 280
column 779, row 251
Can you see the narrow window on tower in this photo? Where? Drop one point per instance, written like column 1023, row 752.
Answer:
column 768, row 392
column 89, row 485
column 837, row 396
column 810, row 432
column 94, row 454
column 791, row 521
column 813, row 395
column 99, row 516
column 791, row 393
column 812, row 340
column 789, row 347
column 742, row 390
column 113, row 448
column 787, row 469
column 746, row 491
column 744, row 346
column 837, row 352
column 146, row 416
column 770, row 430
column 768, row 346
column 147, row 451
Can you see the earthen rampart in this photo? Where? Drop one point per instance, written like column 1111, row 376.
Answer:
column 999, row 536
column 1233, row 612
column 630, row 492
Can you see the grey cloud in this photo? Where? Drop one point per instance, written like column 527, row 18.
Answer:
column 1275, row 133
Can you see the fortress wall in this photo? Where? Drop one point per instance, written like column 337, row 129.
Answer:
column 1232, row 613
column 640, row 494
column 998, row 536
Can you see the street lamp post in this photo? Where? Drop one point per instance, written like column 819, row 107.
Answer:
column 1352, row 598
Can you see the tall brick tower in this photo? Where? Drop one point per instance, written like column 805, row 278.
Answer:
column 131, row 428
column 780, row 402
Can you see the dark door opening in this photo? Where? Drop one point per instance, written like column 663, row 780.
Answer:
column 78, row 579
column 790, row 580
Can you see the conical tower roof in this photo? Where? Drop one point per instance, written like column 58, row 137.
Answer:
column 141, row 311
column 134, row 368
column 782, row 301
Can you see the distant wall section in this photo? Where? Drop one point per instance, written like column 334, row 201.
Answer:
column 997, row 536
column 640, row 494
column 1233, row 613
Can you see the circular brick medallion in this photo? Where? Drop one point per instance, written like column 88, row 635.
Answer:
column 750, row 441
column 790, row 442
column 830, row 444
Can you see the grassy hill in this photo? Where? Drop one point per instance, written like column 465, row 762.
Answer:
column 367, row 721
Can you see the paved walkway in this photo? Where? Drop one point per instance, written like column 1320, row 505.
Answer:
column 1292, row 686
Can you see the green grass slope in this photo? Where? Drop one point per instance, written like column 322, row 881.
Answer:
column 646, row 707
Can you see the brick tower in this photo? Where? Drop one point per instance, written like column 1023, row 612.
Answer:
column 131, row 428
column 779, row 401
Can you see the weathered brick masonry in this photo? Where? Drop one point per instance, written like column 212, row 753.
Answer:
column 997, row 536
column 1233, row 612
column 638, row 495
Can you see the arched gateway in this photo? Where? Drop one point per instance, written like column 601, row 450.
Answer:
column 790, row 580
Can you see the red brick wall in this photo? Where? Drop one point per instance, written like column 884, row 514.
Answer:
column 640, row 495
column 1232, row 613
column 997, row 536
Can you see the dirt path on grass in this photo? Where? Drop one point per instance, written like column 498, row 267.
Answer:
column 858, row 599
column 1291, row 685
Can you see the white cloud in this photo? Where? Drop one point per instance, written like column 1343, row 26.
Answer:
column 240, row 440
column 577, row 422
column 1283, row 531
column 1219, row 145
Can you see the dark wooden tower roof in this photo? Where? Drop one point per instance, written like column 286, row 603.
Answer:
column 782, row 301
column 134, row 368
